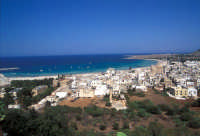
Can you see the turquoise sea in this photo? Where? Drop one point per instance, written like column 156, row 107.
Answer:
column 69, row 64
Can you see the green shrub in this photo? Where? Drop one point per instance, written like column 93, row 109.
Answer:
column 74, row 126
column 153, row 109
column 178, row 122
column 194, row 123
column 94, row 111
column 170, row 112
column 106, row 98
column 133, row 105
column 185, row 108
column 186, row 116
column 102, row 127
column 149, row 106
column 126, row 125
column 140, row 131
column 121, row 134
column 142, row 113
column 108, row 104
column 196, row 103
column 173, row 111
column 163, row 107
column 156, row 91
column 115, row 126
column 155, row 129
column 139, row 94
column 131, row 91
column 132, row 115
column 78, row 117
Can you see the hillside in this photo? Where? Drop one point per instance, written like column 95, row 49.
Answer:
column 196, row 53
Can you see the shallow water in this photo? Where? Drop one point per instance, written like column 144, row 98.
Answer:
column 70, row 64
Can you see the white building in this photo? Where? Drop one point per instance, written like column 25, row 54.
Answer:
column 95, row 83
column 116, row 89
column 14, row 106
column 190, row 84
column 111, row 72
column 198, row 83
column 74, row 84
column 61, row 94
column 101, row 90
column 192, row 92
column 142, row 88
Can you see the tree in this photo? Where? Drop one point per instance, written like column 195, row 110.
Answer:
column 25, row 97
column 8, row 99
column 194, row 123
column 108, row 104
column 126, row 125
column 15, row 123
column 102, row 127
column 155, row 128
column 140, row 131
column 2, row 115
column 115, row 126
column 186, row 116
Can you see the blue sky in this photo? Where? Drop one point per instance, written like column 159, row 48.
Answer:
column 65, row 27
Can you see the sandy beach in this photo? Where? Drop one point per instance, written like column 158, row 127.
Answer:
column 146, row 57
column 31, row 78
column 82, row 74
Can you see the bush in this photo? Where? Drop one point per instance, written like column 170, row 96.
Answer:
column 108, row 104
column 78, row 117
column 102, row 127
column 126, row 125
column 121, row 134
column 133, row 105
column 194, row 123
column 163, row 107
column 74, row 126
column 153, row 110
column 171, row 112
column 156, row 91
column 185, row 109
column 131, row 91
column 174, row 110
column 140, row 131
column 139, row 94
column 142, row 113
column 132, row 115
column 106, row 98
column 155, row 129
column 115, row 126
column 94, row 111
column 196, row 103
column 149, row 106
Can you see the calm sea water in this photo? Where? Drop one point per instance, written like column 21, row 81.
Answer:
column 52, row 65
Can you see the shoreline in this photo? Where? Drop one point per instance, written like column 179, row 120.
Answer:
column 148, row 57
column 41, row 77
column 79, row 74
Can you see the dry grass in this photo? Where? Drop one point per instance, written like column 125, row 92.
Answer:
column 83, row 102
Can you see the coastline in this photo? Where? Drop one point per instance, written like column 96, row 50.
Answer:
column 79, row 74
column 82, row 73
column 148, row 57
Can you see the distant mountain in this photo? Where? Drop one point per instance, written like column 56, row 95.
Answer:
column 196, row 53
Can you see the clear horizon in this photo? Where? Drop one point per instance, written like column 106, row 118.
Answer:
column 50, row 27
column 95, row 54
